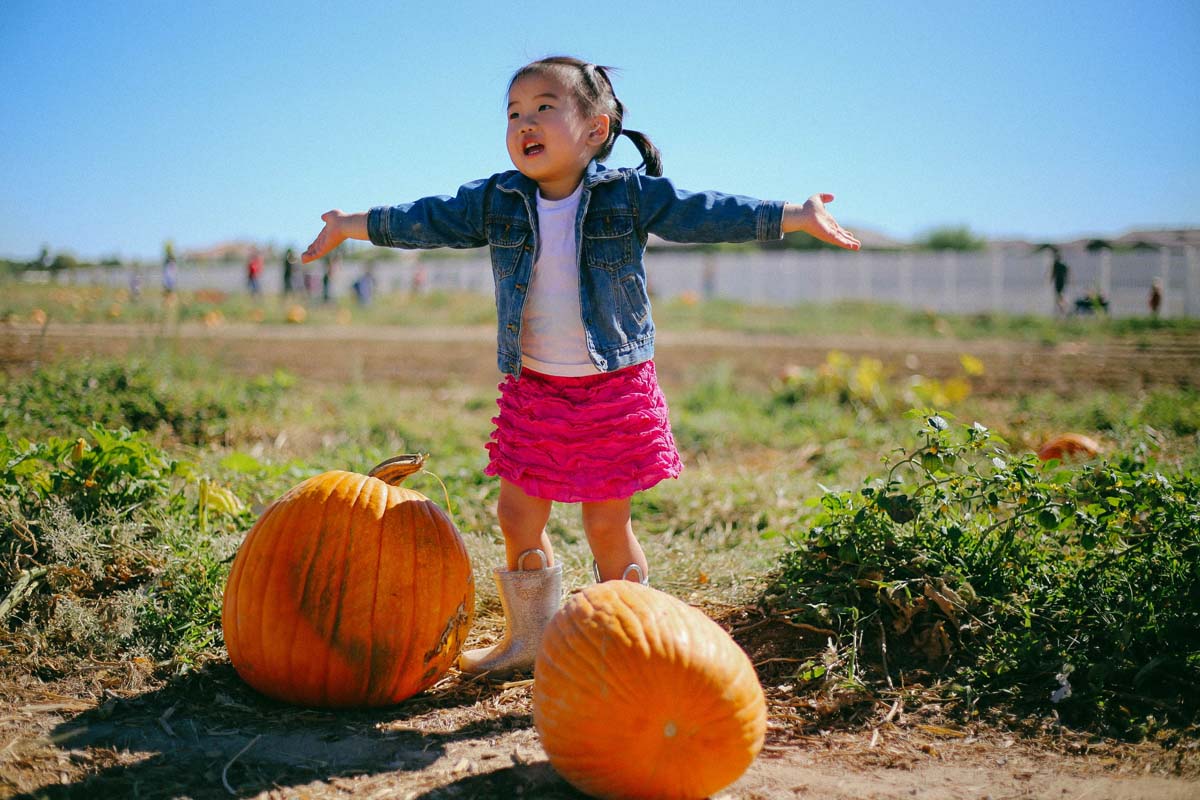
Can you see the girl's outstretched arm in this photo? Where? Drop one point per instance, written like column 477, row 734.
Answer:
column 812, row 218
column 339, row 226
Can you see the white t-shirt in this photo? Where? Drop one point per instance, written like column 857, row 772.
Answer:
column 552, row 336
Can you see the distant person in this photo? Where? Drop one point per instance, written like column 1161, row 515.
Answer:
column 170, row 273
column 364, row 287
column 135, row 283
column 1156, row 297
column 1059, row 273
column 582, row 418
column 310, row 282
column 419, row 278
column 254, row 266
column 289, row 271
column 332, row 262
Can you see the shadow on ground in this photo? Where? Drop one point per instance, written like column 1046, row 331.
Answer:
column 208, row 735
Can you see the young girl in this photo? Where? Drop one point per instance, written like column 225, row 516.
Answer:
column 582, row 418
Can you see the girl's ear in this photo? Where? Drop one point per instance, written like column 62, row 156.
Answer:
column 598, row 133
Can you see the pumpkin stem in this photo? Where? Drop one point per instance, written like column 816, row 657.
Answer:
column 394, row 470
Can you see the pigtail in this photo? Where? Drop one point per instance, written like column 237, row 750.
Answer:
column 651, row 157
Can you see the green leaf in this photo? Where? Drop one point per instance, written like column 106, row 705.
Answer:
column 242, row 462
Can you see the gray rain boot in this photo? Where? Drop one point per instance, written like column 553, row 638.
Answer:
column 529, row 597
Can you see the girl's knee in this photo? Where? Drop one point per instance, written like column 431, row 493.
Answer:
column 517, row 511
column 607, row 520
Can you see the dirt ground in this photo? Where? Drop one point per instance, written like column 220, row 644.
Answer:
column 208, row 735
column 112, row 730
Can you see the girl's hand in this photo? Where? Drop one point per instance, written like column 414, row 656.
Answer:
column 815, row 220
column 339, row 227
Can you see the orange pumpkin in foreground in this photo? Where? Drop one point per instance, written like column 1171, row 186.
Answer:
column 1069, row 444
column 349, row 591
column 637, row 694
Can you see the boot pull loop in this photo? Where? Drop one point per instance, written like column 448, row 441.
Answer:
column 533, row 551
column 642, row 579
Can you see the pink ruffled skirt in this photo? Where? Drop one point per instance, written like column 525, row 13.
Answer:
column 597, row 437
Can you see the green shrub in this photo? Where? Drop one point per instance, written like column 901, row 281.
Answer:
column 1074, row 587
column 68, row 395
column 105, row 552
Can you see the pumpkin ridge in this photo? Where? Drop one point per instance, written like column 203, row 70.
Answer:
column 451, row 607
column 229, row 605
column 310, row 608
column 240, row 603
column 572, row 643
column 578, row 638
column 388, row 565
column 258, row 569
column 359, row 651
column 570, row 636
column 418, row 524
column 372, row 652
column 290, row 652
column 310, row 667
column 431, row 525
column 454, row 612
column 403, row 509
column 343, row 648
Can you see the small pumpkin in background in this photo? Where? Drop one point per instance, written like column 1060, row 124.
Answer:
column 637, row 694
column 1068, row 445
column 349, row 591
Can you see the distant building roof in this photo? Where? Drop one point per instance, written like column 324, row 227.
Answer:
column 1163, row 237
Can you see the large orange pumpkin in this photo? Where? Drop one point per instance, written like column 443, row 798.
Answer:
column 349, row 591
column 637, row 694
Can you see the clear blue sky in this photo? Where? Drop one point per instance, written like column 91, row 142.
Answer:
column 123, row 124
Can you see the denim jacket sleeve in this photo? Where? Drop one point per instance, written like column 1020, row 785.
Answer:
column 680, row 216
column 439, row 221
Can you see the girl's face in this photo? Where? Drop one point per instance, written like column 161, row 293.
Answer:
column 549, row 139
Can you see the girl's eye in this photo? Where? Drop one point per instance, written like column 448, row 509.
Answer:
column 544, row 106
column 512, row 115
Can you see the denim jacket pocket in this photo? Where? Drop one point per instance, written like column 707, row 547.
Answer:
column 608, row 240
column 637, row 301
column 506, row 238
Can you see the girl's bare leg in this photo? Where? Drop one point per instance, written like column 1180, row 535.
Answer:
column 523, row 523
column 530, row 589
column 609, row 531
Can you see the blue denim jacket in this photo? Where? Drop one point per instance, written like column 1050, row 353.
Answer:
column 617, row 209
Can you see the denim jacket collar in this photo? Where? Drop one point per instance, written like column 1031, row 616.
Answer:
column 518, row 183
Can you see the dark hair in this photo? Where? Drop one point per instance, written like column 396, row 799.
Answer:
column 593, row 91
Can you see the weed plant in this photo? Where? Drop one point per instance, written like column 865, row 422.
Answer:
column 180, row 398
column 1072, row 587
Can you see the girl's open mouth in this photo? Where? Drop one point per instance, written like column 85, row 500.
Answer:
column 533, row 148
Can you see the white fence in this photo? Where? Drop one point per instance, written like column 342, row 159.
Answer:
column 962, row 282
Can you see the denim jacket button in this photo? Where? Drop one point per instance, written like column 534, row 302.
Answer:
column 520, row 287
column 512, row 327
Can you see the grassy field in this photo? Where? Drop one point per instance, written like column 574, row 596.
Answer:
column 853, row 545
column 26, row 302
